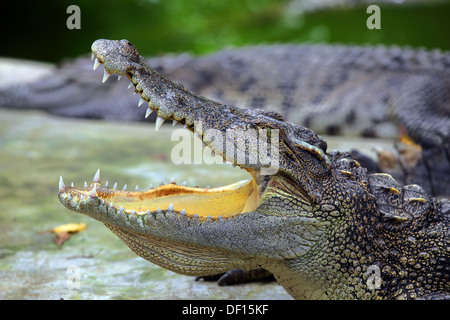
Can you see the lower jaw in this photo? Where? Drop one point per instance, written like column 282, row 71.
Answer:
column 203, row 203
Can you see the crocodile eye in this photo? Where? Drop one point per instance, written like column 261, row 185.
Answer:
column 313, row 158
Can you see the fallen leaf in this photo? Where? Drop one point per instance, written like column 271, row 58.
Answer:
column 61, row 237
column 69, row 228
column 63, row 232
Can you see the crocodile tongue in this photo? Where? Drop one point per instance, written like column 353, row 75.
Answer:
column 220, row 202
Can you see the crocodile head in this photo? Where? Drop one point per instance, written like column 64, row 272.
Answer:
column 285, row 218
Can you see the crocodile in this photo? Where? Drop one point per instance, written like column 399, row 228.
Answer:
column 371, row 91
column 314, row 219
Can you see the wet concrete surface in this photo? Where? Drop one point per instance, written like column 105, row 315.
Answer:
column 35, row 149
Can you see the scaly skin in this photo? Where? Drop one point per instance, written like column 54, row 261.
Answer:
column 371, row 91
column 319, row 223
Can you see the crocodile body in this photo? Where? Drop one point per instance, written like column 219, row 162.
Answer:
column 369, row 91
column 323, row 226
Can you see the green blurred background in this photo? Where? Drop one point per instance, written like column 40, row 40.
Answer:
column 37, row 29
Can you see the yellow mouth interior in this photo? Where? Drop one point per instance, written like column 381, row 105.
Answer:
column 224, row 201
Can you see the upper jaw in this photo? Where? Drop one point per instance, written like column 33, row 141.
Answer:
column 217, row 125
column 102, row 202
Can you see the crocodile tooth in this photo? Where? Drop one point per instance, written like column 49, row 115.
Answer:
column 174, row 122
column 130, row 85
column 159, row 122
column 119, row 77
column 71, row 184
column 92, row 56
column 170, row 208
column 132, row 211
column 136, row 188
column 159, row 210
column 85, row 184
column 185, row 126
column 93, row 193
column 115, row 185
column 106, row 184
column 97, row 176
column 141, row 101
column 148, row 112
column 121, row 209
column 69, row 197
column 105, row 76
column 172, row 180
column 183, row 212
column 184, row 183
column 111, row 205
column 124, row 187
column 96, row 64
column 61, row 184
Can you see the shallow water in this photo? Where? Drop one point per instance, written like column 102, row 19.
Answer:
column 35, row 150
